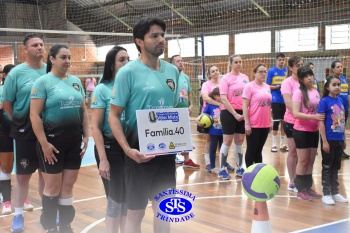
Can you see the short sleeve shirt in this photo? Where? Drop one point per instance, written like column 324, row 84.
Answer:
column 289, row 86
column 259, row 109
column 232, row 86
column 214, row 111
column 275, row 77
column 183, row 90
column 344, row 92
column 207, row 88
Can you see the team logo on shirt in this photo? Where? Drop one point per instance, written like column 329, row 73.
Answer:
column 76, row 86
column 33, row 92
column 24, row 163
column 171, row 84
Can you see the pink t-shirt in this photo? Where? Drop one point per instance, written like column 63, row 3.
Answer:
column 289, row 86
column 207, row 88
column 232, row 86
column 90, row 84
column 314, row 99
column 260, row 104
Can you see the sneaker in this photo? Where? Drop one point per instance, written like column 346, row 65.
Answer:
column 27, row 206
column 190, row 164
column 17, row 223
column 6, row 208
column 284, row 149
column 291, row 187
column 178, row 160
column 239, row 171
column 208, row 168
column 304, row 195
column 224, row 175
column 327, row 199
column 229, row 167
column 274, row 149
column 66, row 229
column 339, row 198
column 313, row 193
column 53, row 230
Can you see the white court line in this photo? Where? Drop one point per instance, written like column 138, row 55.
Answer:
column 323, row 225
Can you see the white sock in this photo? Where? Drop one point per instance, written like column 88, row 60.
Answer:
column 18, row 211
column 223, row 155
column 238, row 152
column 207, row 158
column 5, row 176
column 273, row 140
column 281, row 141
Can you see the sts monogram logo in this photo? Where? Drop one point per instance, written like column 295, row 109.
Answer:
column 175, row 205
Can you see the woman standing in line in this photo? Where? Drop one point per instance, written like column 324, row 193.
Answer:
column 232, row 120
column 257, row 114
column 60, row 123
column 289, row 86
column 305, row 132
column 109, row 155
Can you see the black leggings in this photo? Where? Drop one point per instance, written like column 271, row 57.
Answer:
column 255, row 143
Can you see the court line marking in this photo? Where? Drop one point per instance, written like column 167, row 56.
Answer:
column 323, row 225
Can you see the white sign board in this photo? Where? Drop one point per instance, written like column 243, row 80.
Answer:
column 164, row 131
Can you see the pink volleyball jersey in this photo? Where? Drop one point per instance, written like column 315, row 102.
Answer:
column 314, row 99
column 208, row 87
column 289, row 86
column 232, row 86
column 260, row 104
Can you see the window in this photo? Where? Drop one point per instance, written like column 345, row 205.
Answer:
column 247, row 43
column 214, row 45
column 182, row 47
column 337, row 36
column 299, row 39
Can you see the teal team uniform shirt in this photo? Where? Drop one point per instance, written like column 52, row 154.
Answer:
column 101, row 98
column 62, row 114
column 1, row 97
column 139, row 87
column 17, row 89
column 183, row 89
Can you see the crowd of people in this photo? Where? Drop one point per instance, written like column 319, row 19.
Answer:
column 44, row 120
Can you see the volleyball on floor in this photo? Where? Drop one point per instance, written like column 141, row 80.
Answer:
column 261, row 182
column 206, row 120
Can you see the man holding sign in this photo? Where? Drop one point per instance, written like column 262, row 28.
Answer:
column 145, row 83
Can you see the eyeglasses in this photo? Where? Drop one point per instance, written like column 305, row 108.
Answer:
column 262, row 72
column 236, row 62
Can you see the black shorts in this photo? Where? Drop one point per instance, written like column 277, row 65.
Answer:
column 6, row 142
column 278, row 111
column 26, row 159
column 67, row 158
column 115, row 157
column 229, row 123
column 305, row 140
column 288, row 129
column 144, row 181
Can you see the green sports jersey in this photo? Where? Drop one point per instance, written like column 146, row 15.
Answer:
column 183, row 89
column 1, row 97
column 62, row 114
column 17, row 89
column 139, row 87
column 101, row 98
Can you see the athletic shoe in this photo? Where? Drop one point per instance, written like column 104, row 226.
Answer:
column 53, row 230
column 224, row 175
column 6, row 208
column 239, row 171
column 313, row 193
column 339, row 198
column 345, row 155
column 284, row 149
column 17, row 223
column 229, row 167
column 208, row 168
column 291, row 187
column 327, row 199
column 304, row 195
column 190, row 164
column 178, row 160
column 66, row 229
column 27, row 206
column 274, row 149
